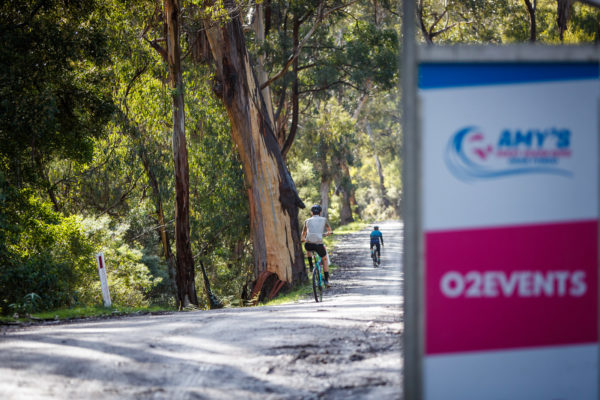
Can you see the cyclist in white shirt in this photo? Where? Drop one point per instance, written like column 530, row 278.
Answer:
column 312, row 236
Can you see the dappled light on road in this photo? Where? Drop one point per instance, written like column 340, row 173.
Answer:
column 347, row 346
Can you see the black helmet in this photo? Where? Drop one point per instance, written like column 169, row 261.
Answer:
column 376, row 227
column 316, row 209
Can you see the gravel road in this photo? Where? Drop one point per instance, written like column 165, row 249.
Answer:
column 347, row 347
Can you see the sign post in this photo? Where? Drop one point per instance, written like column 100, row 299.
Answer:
column 507, row 182
column 103, row 279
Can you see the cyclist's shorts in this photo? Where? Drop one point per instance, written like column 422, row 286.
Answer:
column 318, row 247
column 376, row 245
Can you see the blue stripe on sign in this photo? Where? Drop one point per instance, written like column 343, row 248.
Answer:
column 446, row 75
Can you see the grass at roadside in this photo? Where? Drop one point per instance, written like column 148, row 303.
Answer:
column 301, row 292
column 81, row 312
column 351, row 227
column 291, row 297
column 331, row 241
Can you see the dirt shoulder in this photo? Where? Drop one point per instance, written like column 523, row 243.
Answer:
column 346, row 347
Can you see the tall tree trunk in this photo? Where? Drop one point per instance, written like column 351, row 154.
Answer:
column 272, row 194
column 325, row 186
column 563, row 13
column 347, row 191
column 259, row 31
column 295, row 89
column 213, row 301
column 382, row 190
column 186, row 289
column 160, row 214
column 325, row 182
column 531, row 8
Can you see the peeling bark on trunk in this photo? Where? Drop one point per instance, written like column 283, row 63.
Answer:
column 272, row 194
column 186, row 289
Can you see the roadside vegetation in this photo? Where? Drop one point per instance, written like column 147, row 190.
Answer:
column 117, row 139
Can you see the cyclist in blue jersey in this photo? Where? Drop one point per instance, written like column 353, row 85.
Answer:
column 376, row 237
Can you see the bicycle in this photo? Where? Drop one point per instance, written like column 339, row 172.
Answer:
column 376, row 257
column 317, row 278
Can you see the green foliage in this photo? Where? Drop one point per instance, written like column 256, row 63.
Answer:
column 39, row 253
column 129, row 279
column 53, row 87
column 370, row 53
column 384, row 123
column 327, row 141
column 52, row 257
column 507, row 21
column 30, row 303
column 85, row 126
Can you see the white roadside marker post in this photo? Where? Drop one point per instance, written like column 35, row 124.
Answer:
column 103, row 279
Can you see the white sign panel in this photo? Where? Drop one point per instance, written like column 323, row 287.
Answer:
column 510, row 230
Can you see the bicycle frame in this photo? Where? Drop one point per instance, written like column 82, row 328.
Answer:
column 317, row 278
column 319, row 265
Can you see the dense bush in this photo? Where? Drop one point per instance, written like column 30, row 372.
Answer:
column 39, row 253
column 48, row 261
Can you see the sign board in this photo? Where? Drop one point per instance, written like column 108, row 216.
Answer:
column 103, row 280
column 509, row 229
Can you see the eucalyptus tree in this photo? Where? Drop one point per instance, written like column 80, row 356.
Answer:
column 381, row 140
column 271, row 192
column 144, row 129
column 350, row 56
column 168, row 45
column 186, row 287
column 328, row 141
column 297, row 45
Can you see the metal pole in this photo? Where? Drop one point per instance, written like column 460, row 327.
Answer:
column 410, row 212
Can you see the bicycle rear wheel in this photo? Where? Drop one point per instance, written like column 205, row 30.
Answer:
column 374, row 257
column 317, row 284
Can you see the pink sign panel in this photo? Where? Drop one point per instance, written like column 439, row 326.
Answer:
column 511, row 287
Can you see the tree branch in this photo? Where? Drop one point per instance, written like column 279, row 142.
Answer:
column 320, row 17
column 434, row 34
column 339, row 82
column 437, row 21
column 137, row 74
column 154, row 42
